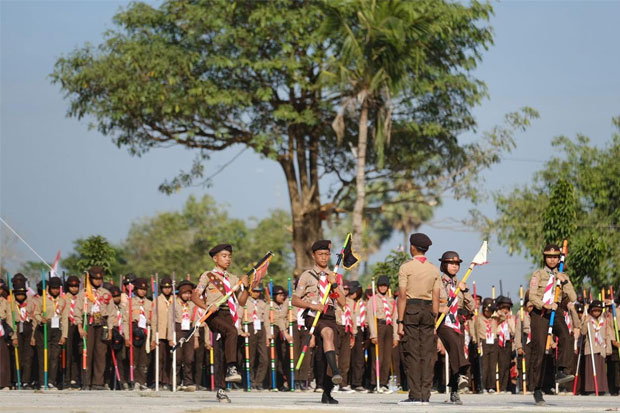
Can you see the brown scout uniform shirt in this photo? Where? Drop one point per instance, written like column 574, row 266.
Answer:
column 606, row 333
column 54, row 306
column 340, row 314
column 106, row 308
column 136, row 302
column 262, row 312
column 538, row 283
column 213, row 293
column 481, row 326
column 164, row 306
column 178, row 317
column 30, row 305
column 381, row 314
column 5, row 314
column 308, row 287
column 465, row 300
column 418, row 279
column 280, row 315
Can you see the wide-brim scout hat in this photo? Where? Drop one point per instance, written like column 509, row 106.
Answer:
column 72, row 281
column 18, row 277
column 186, row 285
column 96, row 272
column 129, row 279
column 450, row 257
column 258, row 288
column 502, row 301
column 488, row 304
column 383, row 280
column 595, row 305
column 219, row 248
column 552, row 250
column 420, row 241
column 278, row 289
column 165, row 282
column 54, row 282
column 323, row 244
column 19, row 287
column 141, row 284
column 115, row 291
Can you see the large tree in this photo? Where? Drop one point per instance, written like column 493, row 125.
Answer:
column 576, row 196
column 214, row 74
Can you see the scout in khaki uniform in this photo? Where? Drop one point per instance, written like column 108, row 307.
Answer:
column 57, row 330
column 451, row 330
column 216, row 284
column 139, row 320
column 308, row 295
column 164, row 301
column 300, row 337
column 24, row 310
column 117, row 344
column 6, row 333
column 281, row 336
column 346, row 337
column 419, row 282
column 74, row 345
column 258, row 337
column 597, row 333
column 358, row 310
column 505, row 340
column 182, row 322
column 384, row 332
column 542, row 290
column 486, row 329
column 99, row 309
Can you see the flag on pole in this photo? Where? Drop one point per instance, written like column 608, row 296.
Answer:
column 55, row 266
column 260, row 272
column 349, row 257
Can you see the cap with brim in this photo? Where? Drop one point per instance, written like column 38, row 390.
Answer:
column 552, row 250
column 55, row 282
column 219, row 248
column 72, row 281
column 115, row 291
column 140, row 283
column 383, row 280
column 451, row 257
column 258, row 288
column 96, row 272
column 185, row 285
column 596, row 304
column 165, row 282
column 277, row 289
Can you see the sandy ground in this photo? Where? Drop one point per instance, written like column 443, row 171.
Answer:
column 267, row 402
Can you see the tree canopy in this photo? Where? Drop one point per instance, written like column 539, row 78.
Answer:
column 575, row 196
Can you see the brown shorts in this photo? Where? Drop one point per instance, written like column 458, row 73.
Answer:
column 326, row 320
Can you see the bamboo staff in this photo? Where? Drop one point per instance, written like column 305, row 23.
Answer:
column 246, row 345
column 85, row 328
column 211, row 358
column 44, row 299
column 15, row 348
column 291, row 350
column 374, row 308
column 156, row 299
column 497, row 363
column 272, row 340
column 592, row 356
column 558, row 285
column 522, row 316
column 174, row 332
column 580, row 348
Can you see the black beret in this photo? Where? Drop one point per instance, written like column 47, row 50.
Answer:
column 323, row 244
column 141, row 283
column 220, row 247
column 55, row 282
column 185, row 285
column 115, row 291
column 383, row 280
column 501, row 301
column 551, row 249
column 420, row 240
column 451, row 256
column 96, row 272
column 278, row 289
column 72, row 281
column 165, row 282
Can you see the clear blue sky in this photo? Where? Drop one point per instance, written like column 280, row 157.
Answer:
column 60, row 181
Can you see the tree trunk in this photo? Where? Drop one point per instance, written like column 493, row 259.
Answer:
column 302, row 179
column 360, row 185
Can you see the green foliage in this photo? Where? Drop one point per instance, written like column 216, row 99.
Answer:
column 560, row 217
column 95, row 250
column 575, row 196
column 389, row 267
column 179, row 241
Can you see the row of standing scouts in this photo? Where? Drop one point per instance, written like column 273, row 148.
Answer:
column 489, row 348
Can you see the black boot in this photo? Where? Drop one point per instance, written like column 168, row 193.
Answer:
column 330, row 356
column 538, row 398
column 561, row 377
column 327, row 398
column 455, row 399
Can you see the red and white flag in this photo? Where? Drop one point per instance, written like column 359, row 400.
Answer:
column 55, row 266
